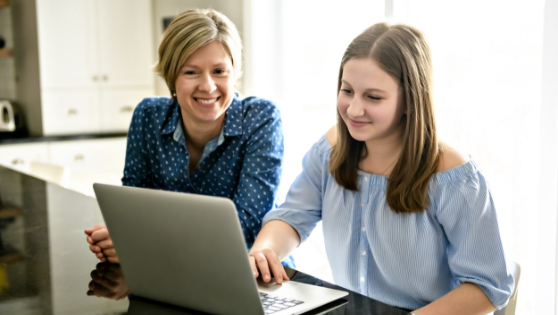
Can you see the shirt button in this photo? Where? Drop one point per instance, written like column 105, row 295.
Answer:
column 363, row 253
column 362, row 204
column 363, row 229
column 366, row 179
column 361, row 279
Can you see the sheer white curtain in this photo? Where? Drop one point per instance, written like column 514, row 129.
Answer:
column 496, row 97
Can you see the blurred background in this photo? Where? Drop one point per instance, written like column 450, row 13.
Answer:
column 495, row 75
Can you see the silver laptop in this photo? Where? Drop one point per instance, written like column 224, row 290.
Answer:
column 189, row 250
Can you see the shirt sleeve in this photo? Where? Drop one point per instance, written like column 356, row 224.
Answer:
column 137, row 169
column 261, row 168
column 302, row 208
column 475, row 252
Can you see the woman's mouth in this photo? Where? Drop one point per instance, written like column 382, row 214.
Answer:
column 206, row 101
column 357, row 124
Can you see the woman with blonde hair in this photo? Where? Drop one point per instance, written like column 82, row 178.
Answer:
column 206, row 138
column 407, row 220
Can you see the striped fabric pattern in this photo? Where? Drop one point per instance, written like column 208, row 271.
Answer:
column 405, row 260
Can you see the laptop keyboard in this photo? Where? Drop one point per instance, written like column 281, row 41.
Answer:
column 274, row 303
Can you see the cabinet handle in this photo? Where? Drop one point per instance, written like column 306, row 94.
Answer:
column 78, row 157
column 126, row 108
column 72, row 111
column 95, row 78
column 105, row 77
column 18, row 162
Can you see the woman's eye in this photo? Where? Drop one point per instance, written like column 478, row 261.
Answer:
column 346, row 91
column 189, row 72
column 374, row 98
column 219, row 71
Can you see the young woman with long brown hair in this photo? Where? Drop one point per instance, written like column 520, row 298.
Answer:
column 407, row 219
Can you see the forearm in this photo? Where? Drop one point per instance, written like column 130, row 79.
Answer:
column 278, row 236
column 466, row 299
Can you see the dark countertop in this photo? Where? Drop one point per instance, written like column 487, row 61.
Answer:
column 6, row 138
column 46, row 266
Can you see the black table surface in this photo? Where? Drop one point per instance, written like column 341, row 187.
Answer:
column 46, row 266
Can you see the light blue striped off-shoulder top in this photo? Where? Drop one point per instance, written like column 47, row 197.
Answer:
column 405, row 260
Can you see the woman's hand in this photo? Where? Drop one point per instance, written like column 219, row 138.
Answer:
column 274, row 242
column 100, row 244
column 266, row 261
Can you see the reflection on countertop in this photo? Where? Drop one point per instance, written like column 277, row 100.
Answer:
column 46, row 232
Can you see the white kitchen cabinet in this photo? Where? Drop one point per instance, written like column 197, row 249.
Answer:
column 96, row 59
column 20, row 156
column 71, row 110
column 117, row 106
column 91, row 155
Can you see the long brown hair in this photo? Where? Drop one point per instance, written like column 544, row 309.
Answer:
column 402, row 52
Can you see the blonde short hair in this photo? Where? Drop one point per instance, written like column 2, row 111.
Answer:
column 191, row 30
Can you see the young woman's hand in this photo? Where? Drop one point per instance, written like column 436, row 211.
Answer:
column 276, row 241
column 100, row 244
column 266, row 261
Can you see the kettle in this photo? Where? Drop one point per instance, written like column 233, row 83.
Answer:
column 7, row 116
column 12, row 122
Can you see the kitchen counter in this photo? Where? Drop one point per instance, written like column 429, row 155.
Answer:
column 5, row 138
column 46, row 266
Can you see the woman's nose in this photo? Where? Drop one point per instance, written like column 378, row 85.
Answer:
column 207, row 84
column 355, row 108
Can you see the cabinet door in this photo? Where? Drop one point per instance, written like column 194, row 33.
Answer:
column 117, row 106
column 126, row 42
column 67, row 46
column 70, row 111
column 20, row 156
column 97, row 155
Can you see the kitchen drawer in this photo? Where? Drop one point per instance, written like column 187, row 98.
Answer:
column 97, row 155
column 70, row 111
column 117, row 106
column 19, row 156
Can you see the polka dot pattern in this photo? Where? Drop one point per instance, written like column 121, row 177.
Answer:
column 243, row 163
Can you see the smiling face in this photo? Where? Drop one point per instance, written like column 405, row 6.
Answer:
column 205, row 87
column 370, row 102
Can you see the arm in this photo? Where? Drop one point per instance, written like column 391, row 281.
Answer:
column 286, row 227
column 274, row 243
column 137, row 172
column 137, row 167
column 475, row 252
column 261, row 167
column 466, row 299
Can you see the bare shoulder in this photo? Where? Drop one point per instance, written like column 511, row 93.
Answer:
column 331, row 135
column 450, row 157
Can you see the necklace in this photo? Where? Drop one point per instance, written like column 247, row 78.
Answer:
column 383, row 173
column 373, row 171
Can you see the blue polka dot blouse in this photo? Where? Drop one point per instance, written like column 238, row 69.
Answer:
column 243, row 163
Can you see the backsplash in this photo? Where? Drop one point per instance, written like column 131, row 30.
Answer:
column 7, row 65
